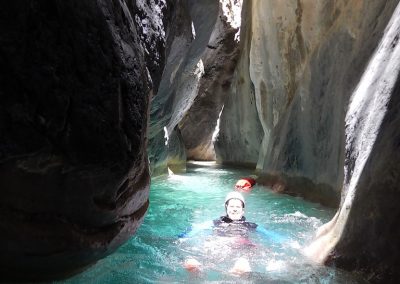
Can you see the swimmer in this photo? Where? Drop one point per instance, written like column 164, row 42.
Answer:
column 232, row 224
column 245, row 184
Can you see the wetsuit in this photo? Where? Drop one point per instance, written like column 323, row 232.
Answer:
column 225, row 226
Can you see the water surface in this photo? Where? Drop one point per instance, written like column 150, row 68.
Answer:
column 156, row 254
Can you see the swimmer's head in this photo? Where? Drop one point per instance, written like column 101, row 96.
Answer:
column 234, row 205
column 234, row 195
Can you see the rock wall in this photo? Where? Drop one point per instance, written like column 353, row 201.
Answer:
column 240, row 135
column 364, row 235
column 74, row 97
column 304, row 60
column 201, row 55
column 219, row 58
column 187, row 39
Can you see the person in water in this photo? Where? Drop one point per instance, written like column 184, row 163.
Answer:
column 232, row 224
column 245, row 184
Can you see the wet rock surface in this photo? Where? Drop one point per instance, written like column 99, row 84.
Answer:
column 74, row 95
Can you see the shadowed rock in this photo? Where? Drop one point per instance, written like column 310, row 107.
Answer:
column 74, row 94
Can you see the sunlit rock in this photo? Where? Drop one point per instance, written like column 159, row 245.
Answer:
column 219, row 58
column 240, row 131
column 74, row 96
column 364, row 235
column 196, row 51
column 304, row 60
column 179, row 82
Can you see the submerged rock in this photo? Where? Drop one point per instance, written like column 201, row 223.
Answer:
column 74, row 95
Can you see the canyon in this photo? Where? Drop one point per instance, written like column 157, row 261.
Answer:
column 98, row 96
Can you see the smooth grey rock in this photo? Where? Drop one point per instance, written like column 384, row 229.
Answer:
column 305, row 58
column 364, row 235
column 180, row 81
column 240, row 131
column 219, row 59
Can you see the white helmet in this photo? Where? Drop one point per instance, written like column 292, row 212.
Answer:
column 234, row 195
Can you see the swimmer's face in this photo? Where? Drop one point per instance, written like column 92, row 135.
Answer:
column 234, row 209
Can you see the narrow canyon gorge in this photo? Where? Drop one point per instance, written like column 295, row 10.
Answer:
column 97, row 97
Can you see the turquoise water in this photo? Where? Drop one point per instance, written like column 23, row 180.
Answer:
column 156, row 254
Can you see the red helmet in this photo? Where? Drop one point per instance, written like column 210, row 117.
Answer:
column 245, row 184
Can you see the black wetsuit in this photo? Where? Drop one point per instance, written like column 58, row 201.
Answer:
column 225, row 226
